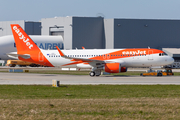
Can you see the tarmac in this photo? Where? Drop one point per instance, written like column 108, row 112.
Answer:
column 46, row 79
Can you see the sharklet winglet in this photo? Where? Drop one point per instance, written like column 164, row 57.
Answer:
column 60, row 52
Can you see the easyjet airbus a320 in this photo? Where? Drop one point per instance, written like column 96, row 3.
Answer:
column 109, row 60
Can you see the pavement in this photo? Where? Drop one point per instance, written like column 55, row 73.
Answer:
column 46, row 79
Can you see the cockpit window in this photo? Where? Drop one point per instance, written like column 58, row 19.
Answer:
column 162, row 54
column 165, row 53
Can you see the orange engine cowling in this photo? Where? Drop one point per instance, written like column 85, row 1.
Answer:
column 114, row 68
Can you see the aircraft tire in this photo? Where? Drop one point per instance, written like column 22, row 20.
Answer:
column 92, row 73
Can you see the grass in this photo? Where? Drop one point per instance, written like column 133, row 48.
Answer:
column 88, row 91
column 90, row 102
column 122, row 108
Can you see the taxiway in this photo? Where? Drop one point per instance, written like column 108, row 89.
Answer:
column 46, row 79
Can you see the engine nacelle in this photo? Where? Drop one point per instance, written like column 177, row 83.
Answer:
column 114, row 68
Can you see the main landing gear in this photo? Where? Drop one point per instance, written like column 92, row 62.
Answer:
column 95, row 73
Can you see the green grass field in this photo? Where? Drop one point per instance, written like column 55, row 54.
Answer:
column 88, row 91
column 90, row 102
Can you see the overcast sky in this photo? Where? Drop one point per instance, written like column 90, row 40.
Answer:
column 34, row 10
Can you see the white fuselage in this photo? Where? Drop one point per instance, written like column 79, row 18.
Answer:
column 144, row 60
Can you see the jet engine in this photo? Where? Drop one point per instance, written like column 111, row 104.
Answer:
column 114, row 68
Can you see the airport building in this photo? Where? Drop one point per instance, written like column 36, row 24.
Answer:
column 76, row 31
column 97, row 32
column 100, row 33
column 31, row 28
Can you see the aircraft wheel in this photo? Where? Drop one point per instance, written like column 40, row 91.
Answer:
column 92, row 74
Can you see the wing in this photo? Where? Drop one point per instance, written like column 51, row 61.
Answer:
column 92, row 62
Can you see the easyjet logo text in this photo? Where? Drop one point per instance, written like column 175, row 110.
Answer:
column 22, row 37
column 134, row 52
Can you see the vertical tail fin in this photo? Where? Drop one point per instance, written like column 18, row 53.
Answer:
column 27, row 50
column 22, row 40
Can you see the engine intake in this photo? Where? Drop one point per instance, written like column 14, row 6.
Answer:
column 114, row 68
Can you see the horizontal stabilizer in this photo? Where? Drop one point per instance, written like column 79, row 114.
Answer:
column 15, row 55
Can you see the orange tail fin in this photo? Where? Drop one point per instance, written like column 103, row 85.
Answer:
column 22, row 40
column 27, row 50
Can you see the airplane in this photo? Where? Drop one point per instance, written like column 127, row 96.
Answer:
column 109, row 60
column 7, row 44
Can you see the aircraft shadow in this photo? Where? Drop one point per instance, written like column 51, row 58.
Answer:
column 120, row 76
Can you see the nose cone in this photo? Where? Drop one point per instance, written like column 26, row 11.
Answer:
column 170, row 60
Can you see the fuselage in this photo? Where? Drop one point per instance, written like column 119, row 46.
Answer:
column 127, row 57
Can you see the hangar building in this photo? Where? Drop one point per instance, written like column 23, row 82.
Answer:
column 97, row 32
column 31, row 28
column 76, row 31
column 141, row 33
column 100, row 33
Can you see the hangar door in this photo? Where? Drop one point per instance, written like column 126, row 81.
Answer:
column 57, row 30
